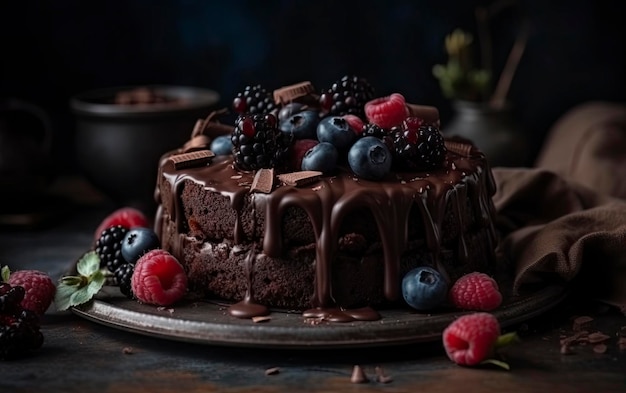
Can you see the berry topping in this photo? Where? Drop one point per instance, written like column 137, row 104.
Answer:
column 137, row 242
column 470, row 339
column 347, row 96
column 424, row 288
column 387, row 112
column 159, row 279
column 19, row 334
column 123, row 276
column 417, row 147
column 38, row 287
column 127, row 217
column 371, row 129
column 297, row 152
column 221, row 145
column 257, row 143
column 302, row 125
column 109, row 247
column 370, row 158
column 254, row 99
column 355, row 123
column 289, row 110
column 321, row 157
column 336, row 130
column 475, row 291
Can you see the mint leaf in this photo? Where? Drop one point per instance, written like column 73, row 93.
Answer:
column 75, row 290
column 5, row 273
column 498, row 363
column 88, row 264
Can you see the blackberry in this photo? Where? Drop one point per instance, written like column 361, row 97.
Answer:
column 258, row 143
column 254, row 99
column 19, row 328
column 420, row 148
column 109, row 247
column 123, row 275
column 371, row 129
column 10, row 298
column 347, row 96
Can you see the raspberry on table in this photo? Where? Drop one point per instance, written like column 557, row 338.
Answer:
column 471, row 338
column 387, row 112
column 159, row 278
column 38, row 287
column 475, row 291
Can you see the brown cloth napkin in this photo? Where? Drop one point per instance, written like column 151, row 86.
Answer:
column 558, row 231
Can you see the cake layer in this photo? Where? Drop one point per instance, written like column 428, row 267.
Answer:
column 338, row 241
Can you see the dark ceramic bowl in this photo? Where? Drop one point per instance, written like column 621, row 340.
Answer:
column 118, row 146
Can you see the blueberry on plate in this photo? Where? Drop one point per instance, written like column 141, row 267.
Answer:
column 222, row 145
column 370, row 158
column 424, row 288
column 321, row 157
column 137, row 242
column 336, row 130
column 302, row 125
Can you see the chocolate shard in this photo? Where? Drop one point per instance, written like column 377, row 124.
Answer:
column 358, row 375
column 191, row 159
column 287, row 94
column 299, row 178
column 263, row 181
column 196, row 143
column 461, row 148
column 429, row 114
column 272, row 371
column 582, row 323
column 210, row 126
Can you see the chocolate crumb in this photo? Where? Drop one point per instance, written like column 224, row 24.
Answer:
column 582, row 323
column 264, row 318
column 272, row 371
column 381, row 377
column 263, row 181
column 127, row 351
column 621, row 343
column 358, row 375
column 566, row 349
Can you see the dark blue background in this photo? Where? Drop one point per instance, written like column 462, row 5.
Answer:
column 54, row 49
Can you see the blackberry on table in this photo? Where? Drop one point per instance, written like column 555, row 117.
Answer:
column 347, row 96
column 19, row 328
column 10, row 297
column 258, row 143
column 109, row 247
column 254, row 99
column 123, row 275
column 420, row 149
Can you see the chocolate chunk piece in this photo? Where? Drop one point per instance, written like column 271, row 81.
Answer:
column 299, row 178
column 263, row 181
column 290, row 93
column 192, row 159
column 460, row 148
column 358, row 375
column 429, row 114
column 582, row 323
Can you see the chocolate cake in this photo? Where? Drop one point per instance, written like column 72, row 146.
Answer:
column 336, row 243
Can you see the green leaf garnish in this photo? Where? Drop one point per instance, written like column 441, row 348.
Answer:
column 497, row 362
column 76, row 290
column 507, row 339
column 5, row 272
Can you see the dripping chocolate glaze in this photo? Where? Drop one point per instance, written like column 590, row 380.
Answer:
column 329, row 200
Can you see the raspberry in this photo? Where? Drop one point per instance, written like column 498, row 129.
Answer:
column 355, row 123
column 109, row 247
column 127, row 217
column 387, row 112
column 159, row 278
column 475, row 291
column 39, row 289
column 471, row 338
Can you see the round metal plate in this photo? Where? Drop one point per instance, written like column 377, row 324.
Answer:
column 210, row 323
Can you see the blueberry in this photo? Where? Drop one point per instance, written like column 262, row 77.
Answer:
column 370, row 158
column 137, row 242
column 288, row 110
column 321, row 157
column 424, row 288
column 336, row 130
column 222, row 145
column 302, row 125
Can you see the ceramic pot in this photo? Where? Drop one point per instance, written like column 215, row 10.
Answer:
column 25, row 149
column 118, row 146
column 492, row 130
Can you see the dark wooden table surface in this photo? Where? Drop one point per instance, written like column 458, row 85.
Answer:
column 79, row 355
